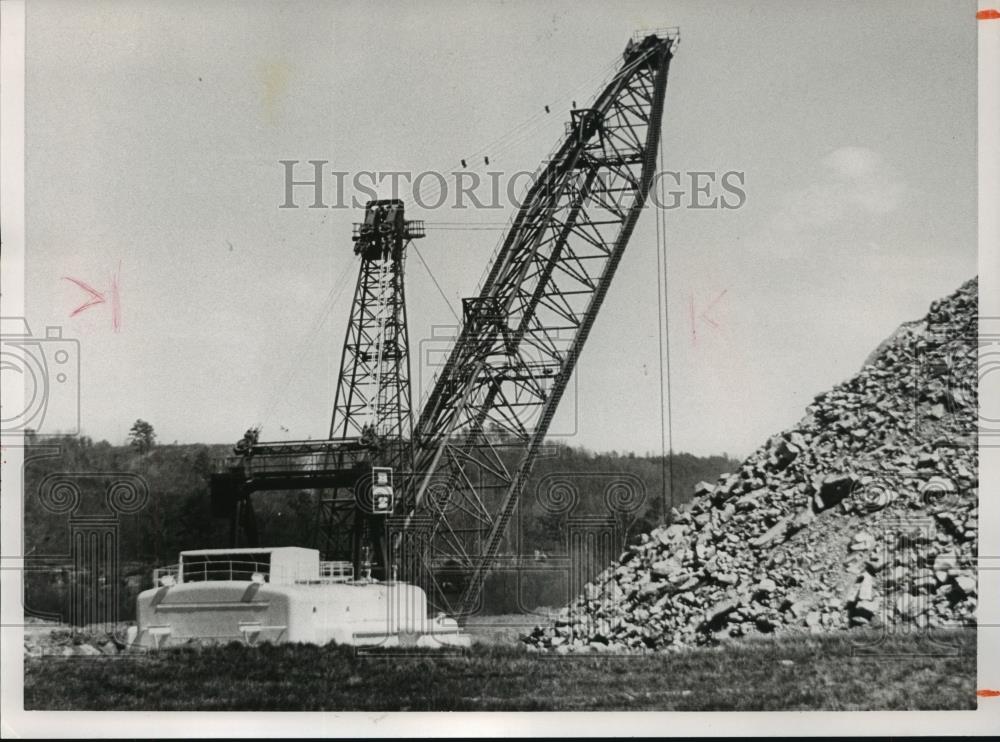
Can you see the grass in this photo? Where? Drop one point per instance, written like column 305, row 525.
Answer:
column 792, row 673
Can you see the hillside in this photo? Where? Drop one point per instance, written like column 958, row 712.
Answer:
column 176, row 515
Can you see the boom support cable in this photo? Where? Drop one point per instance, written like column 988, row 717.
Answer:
column 663, row 321
column 436, row 284
column 309, row 337
column 518, row 134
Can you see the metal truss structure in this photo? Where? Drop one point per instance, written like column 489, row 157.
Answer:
column 371, row 423
column 373, row 387
column 462, row 470
column 372, row 400
column 487, row 415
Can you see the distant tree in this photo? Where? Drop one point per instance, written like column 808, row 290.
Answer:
column 202, row 464
column 142, row 437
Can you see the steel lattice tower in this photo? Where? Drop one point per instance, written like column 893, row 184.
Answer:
column 371, row 426
column 490, row 407
column 372, row 400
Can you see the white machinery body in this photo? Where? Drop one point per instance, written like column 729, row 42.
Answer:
column 282, row 595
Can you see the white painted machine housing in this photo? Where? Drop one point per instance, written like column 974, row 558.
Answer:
column 278, row 595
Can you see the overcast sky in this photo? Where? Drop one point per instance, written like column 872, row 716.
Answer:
column 155, row 131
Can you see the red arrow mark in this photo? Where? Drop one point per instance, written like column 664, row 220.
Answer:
column 703, row 315
column 694, row 326
column 96, row 297
column 116, row 301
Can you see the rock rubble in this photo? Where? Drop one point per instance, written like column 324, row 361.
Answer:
column 81, row 641
column 864, row 513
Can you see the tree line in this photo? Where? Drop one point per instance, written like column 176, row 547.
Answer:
column 637, row 491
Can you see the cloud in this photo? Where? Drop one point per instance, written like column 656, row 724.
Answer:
column 852, row 162
column 852, row 182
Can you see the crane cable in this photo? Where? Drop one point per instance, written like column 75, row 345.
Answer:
column 520, row 132
column 309, row 337
column 437, row 285
column 663, row 322
column 607, row 73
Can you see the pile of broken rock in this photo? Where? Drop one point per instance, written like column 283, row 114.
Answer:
column 864, row 513
column 74, row 641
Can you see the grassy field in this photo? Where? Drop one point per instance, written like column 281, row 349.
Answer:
column 794, row 673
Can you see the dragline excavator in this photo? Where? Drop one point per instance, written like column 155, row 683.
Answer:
column 402, row 502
